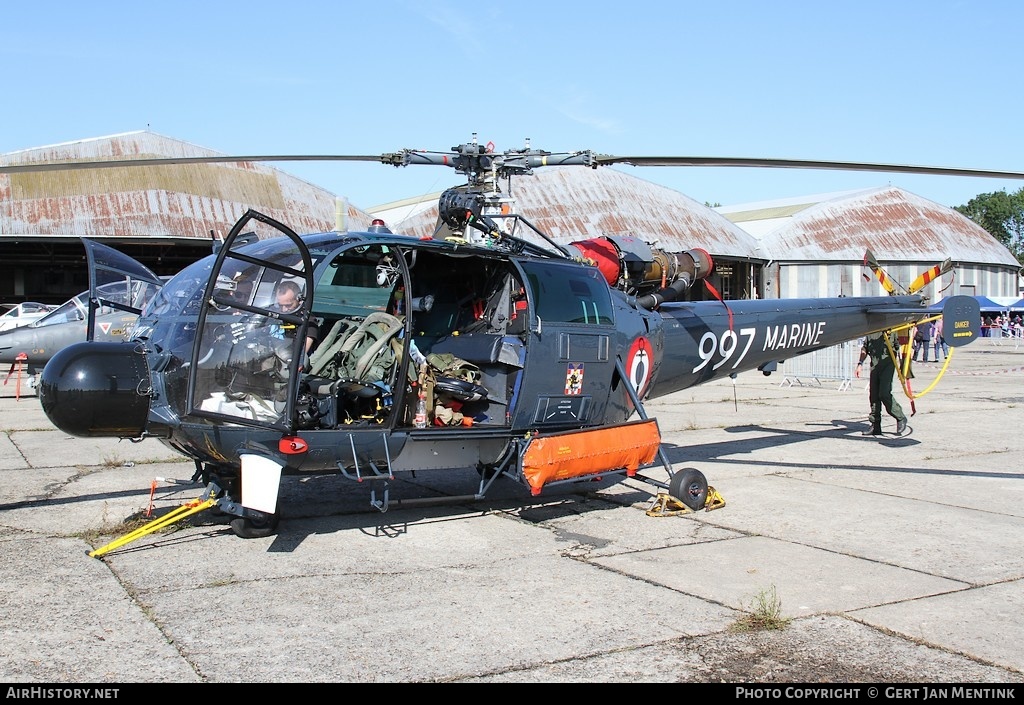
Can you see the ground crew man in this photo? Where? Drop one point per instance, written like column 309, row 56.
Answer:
column 880, row 383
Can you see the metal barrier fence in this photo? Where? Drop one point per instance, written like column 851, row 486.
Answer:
column 1009, row 336
column 835, row 364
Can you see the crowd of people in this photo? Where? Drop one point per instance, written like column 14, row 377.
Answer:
column 928, row 337
column 1008, row 325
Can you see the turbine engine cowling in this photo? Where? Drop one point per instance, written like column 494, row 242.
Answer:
column 653, row 275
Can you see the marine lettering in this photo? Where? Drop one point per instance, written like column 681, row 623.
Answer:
column 794, row 335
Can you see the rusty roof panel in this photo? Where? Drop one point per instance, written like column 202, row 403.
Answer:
column 895, row 224
column 568, row 203
column 178, row 201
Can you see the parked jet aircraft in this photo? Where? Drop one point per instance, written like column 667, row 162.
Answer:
column 21, row 314
column 119, row 288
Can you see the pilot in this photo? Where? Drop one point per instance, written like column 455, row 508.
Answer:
column 288, row 301
column 287, row 296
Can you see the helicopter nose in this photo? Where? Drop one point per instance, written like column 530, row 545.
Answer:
column 96, row 389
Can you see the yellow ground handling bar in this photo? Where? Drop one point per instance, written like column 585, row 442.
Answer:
column 178, row 514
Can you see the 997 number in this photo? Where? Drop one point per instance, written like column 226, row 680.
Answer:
column 725, row 346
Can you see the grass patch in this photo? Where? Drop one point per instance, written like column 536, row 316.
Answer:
column 114, row 461
column 222, row 582
column 765, row 613
column 111, row 528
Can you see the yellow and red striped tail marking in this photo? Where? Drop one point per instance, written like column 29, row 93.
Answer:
column 928, row 276
column 880, row 275
column 884, row 281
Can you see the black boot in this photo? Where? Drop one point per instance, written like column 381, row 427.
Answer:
column 875, row 431
column 901, row 426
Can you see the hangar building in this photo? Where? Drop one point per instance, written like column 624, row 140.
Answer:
column 163, row 216
column 166, row 216
column 572, row 203
column 815, row 245
column 810, row 246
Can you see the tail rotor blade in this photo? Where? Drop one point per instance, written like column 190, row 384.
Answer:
column 930, row 275
column 883, row 278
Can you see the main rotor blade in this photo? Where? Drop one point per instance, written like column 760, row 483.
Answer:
column 162, row 161
column 805, row 164
column 584, row 158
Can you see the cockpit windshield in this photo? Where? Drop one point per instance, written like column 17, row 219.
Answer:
column 124, row 293
column 68, row 312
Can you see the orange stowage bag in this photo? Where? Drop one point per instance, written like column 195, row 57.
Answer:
column 564, row 456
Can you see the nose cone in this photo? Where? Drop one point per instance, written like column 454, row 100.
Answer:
column 97, row 390
column 15, row 340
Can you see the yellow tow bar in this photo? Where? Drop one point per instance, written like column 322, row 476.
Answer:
column 660, row 505
column 178, row 514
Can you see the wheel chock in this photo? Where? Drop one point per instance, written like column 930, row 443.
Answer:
column 714, row 500
column 665, row 505
column 660, row 506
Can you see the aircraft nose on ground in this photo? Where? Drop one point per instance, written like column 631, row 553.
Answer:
column 8, row 338
column 97, row 389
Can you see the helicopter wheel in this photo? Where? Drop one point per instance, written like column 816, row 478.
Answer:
column 690, row 487
column 256, row 525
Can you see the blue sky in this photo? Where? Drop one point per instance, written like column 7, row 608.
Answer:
column 928, row 83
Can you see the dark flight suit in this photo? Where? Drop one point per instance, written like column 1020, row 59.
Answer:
column 880, row 385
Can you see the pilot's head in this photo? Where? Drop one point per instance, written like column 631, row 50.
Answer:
column 287, row 296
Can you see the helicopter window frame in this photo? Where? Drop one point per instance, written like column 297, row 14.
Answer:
column 247, row 370
column 575, row 296
column 349, row 286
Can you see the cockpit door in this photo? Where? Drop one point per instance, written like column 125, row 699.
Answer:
column 116, row 281
column 571, row 338
column 248, row 349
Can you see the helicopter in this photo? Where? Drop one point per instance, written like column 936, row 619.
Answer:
column 487, row 345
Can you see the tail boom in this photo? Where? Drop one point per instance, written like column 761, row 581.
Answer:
column 700, row 344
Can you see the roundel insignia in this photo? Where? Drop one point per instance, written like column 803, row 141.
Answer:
column 639, row 365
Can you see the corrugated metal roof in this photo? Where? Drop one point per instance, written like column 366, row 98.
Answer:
column 178, row 201
column 895, row 224
column 569, row 203
column 573, row 203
